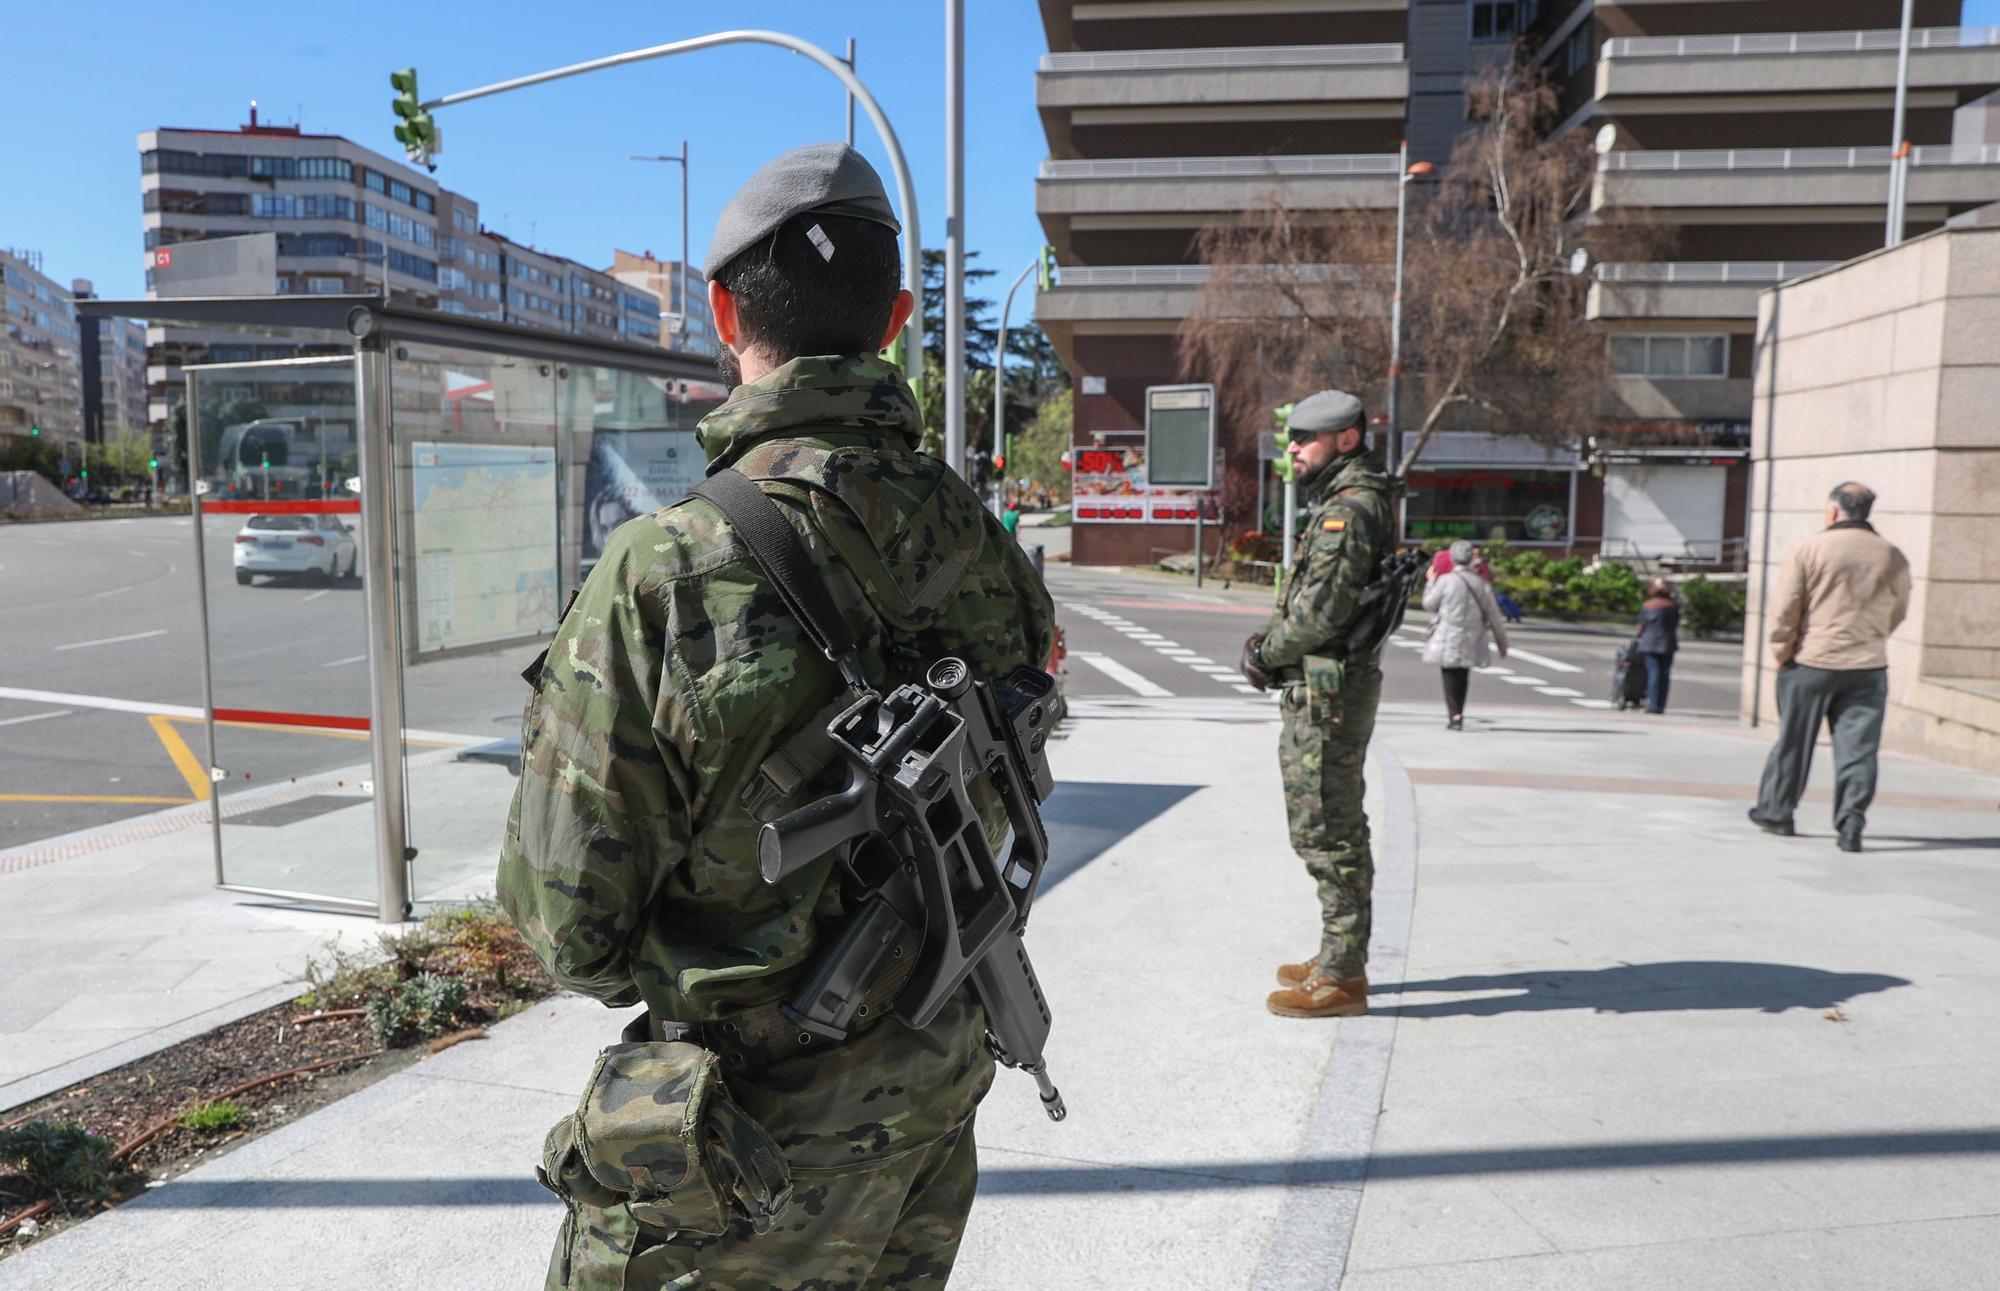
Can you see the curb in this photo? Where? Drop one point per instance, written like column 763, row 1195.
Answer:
column 1315, row 1225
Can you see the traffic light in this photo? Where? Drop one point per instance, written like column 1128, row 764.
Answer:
column 416, row 131
column 34, row 432
column 1282, row 414
column 999, row 461
column 152, row 463
column 1045, row 269
column 86, row 472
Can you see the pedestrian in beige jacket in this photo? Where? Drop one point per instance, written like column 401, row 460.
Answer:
column 1840, row 594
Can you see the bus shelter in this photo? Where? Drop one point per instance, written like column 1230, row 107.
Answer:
column 387, row 524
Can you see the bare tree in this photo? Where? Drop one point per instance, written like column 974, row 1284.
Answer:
column 1494, row 330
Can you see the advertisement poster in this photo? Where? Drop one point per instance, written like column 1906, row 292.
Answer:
column 1108, row 486
column 634, row 473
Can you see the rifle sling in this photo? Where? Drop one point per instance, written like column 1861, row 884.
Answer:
column 782, row 555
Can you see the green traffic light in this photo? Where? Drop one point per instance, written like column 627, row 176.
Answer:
column 34, row 432
column 152, row 463
column 415, row 131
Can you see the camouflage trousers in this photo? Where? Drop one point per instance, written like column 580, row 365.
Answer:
column 1320, row 751
column 894, row 1222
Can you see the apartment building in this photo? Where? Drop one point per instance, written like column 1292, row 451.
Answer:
column 1757, row 137
column 41, row 384
column 349, row 219
column 111, row 362
column 685, row 326
column 1165, row 117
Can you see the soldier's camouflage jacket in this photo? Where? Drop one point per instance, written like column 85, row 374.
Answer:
column 1348, row 528
column 630, row 861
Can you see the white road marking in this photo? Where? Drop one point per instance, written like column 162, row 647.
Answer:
column 1524, row 681
column 1543, row 660
column 1407, row 645
column 135, row 636
column 1215, row 669
column 1495, row 671
column 1248, row 690
column 37, row 717
column 342, row 663
column 313, row 596
column 1591, row 703
column 1196, row 660
column 104, row 702
column 1560, row 692
column 1124, row 676
column 1165, row 646
column 1177, row 652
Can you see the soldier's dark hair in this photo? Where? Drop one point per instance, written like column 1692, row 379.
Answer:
column 792, row 301
column 1854, row 499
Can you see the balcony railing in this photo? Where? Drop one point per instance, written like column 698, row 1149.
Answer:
column 1167, row 60
column 1221, row 167
column 1711, row 271
column 1798, row 42
column 1194, row 275
column 1794, row 158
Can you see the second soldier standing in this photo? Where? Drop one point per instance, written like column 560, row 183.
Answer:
column 1329, row 698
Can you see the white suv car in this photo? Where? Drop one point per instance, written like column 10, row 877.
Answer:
column 295, row 546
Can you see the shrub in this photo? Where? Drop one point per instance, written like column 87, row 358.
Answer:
column 1708, row 608
column 1255, row 544
column 341, row 978
column 61, row 1158
column 425, row 1006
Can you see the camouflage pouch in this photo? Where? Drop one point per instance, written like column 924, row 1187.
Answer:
column 658, row 1132
column 1324, row 677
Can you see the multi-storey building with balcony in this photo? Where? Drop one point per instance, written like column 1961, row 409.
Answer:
column 1757, row 138
column 1755, row 133
column 349, row 219
column 41, row 384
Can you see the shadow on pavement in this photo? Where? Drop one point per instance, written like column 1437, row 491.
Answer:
column 1085, row 817
column 995, row 1180
column 1644, row 988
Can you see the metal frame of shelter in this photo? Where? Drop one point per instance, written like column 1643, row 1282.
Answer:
column 372, row 328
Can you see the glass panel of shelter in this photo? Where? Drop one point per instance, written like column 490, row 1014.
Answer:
column 274, row 454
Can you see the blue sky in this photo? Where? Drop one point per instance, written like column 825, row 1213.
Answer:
column 546, row 164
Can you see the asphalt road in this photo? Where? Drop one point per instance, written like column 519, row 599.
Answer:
column 100, row 667
column 1138, row 633
column 103, row 632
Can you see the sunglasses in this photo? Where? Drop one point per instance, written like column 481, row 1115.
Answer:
column 1308, row 436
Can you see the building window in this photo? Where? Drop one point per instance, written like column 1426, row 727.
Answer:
column 1670, row 356
column 325, row 286
column 1495, row 19
column 1576, row 51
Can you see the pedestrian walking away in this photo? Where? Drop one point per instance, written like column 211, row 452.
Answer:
column 681, row 707
column 1839, row 596
column 1463, row 613
column 1329, row 695
column 1659, row 639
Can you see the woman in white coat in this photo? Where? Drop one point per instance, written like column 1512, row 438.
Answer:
column 1462, row 613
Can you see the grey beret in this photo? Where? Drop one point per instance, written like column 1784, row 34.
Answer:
column 831, row 178
column 1327, row 410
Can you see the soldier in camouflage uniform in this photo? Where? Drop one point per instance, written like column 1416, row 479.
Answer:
column 1329, row 699
column 679, row 708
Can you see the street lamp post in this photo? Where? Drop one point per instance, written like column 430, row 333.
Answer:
column 1000, row 386
column 1405, row 172
column 680, row 324
column 1899, row 147
column 913, row 264
column 954, row 237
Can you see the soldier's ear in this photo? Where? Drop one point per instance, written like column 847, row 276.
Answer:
column 899, row 314
column 722, row 305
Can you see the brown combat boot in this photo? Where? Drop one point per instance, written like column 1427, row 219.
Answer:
column 1293, row 974
column 1321, row 997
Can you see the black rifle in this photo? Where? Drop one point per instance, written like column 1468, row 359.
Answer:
column 1382, row 603
column 915, row 850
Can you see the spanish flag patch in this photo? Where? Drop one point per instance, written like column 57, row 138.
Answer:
column 1333, row 526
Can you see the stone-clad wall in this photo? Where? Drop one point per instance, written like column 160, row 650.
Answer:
column 1887, row 370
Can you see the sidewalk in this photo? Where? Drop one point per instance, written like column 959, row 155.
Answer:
column 1636, row 1043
